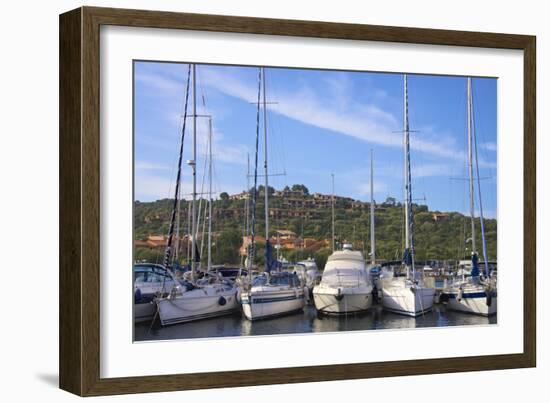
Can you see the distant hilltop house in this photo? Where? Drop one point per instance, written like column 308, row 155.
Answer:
column 440, row 217
column 240, row 196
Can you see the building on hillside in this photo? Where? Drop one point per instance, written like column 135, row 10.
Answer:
column 440, row 217
column 283, row 234
column 246, row 242
column 158, row 241
column 284, row 213
column 288, row 193
column 240, row 196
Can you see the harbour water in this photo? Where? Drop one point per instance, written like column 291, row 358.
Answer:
column 307, row 321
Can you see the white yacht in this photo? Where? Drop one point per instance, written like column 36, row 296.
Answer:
column 473, row 294
column 205, row 294
column 272, row 295
column 150, row 281
column 345, row 286
column 273, row 292
column 308, row 272
column 407, row 295
column 208, row 297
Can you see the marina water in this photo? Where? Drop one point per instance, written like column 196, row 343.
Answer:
column 307, row 321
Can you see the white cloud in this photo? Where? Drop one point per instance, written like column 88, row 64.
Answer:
column 489, row 146
column 365, row 122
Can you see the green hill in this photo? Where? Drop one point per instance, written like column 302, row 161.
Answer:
column 438, row 235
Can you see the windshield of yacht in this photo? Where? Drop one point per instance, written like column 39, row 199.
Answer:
column 345, row 276
column 280, row 279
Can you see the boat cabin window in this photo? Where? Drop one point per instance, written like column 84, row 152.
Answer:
column 259, row 280
column 290, row 279
column 150, row 274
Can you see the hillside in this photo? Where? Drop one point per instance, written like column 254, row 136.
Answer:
column 438, row 235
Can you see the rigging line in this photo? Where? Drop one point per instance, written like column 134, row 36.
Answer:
column 202, row 198
column 178, row 178
column 251, row 251
column 483, row 240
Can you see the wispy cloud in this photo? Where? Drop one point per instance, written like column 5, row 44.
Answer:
column 489, row 146
column 366, row 122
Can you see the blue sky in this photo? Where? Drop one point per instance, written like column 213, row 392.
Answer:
column 323, row 122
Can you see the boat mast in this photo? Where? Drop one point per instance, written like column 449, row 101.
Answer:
column 247, row 199
column 177, row 240
column 266, row 192
column 169, row 242
column 409, row 247
column 251, row 248
column 332, row 207
column 470, row 165
column 210, row 194
column 372, row 250
column 193, row 164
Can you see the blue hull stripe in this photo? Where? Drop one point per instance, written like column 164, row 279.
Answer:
column 470, row 295
column 197, row 317
column 268, row 300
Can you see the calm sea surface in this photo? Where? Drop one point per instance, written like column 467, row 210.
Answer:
column 306, row 322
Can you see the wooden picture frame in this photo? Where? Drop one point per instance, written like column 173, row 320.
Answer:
column 79, row 317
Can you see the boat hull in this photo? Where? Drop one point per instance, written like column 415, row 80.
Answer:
column 408, row 300
column 264, row 305
column 332, row 301
column 144, row 312
column 195, row 305
column 472, row 301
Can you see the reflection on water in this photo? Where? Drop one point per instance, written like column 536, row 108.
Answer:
column 306, row 322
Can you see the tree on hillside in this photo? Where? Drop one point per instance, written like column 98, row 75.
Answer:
column 226, row 248
column 300, row 188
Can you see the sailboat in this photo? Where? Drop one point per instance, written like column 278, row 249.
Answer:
column 407, row 295
column 274, row 292
column 195, row 298
column 472, row 294
column 345, row 284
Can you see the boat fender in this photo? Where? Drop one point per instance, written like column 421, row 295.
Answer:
column 137, row 296
column 459, row 294
column 239, row 295
column 339, row 296
column 413, row 290
column 489, row 298
column 222, row 301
